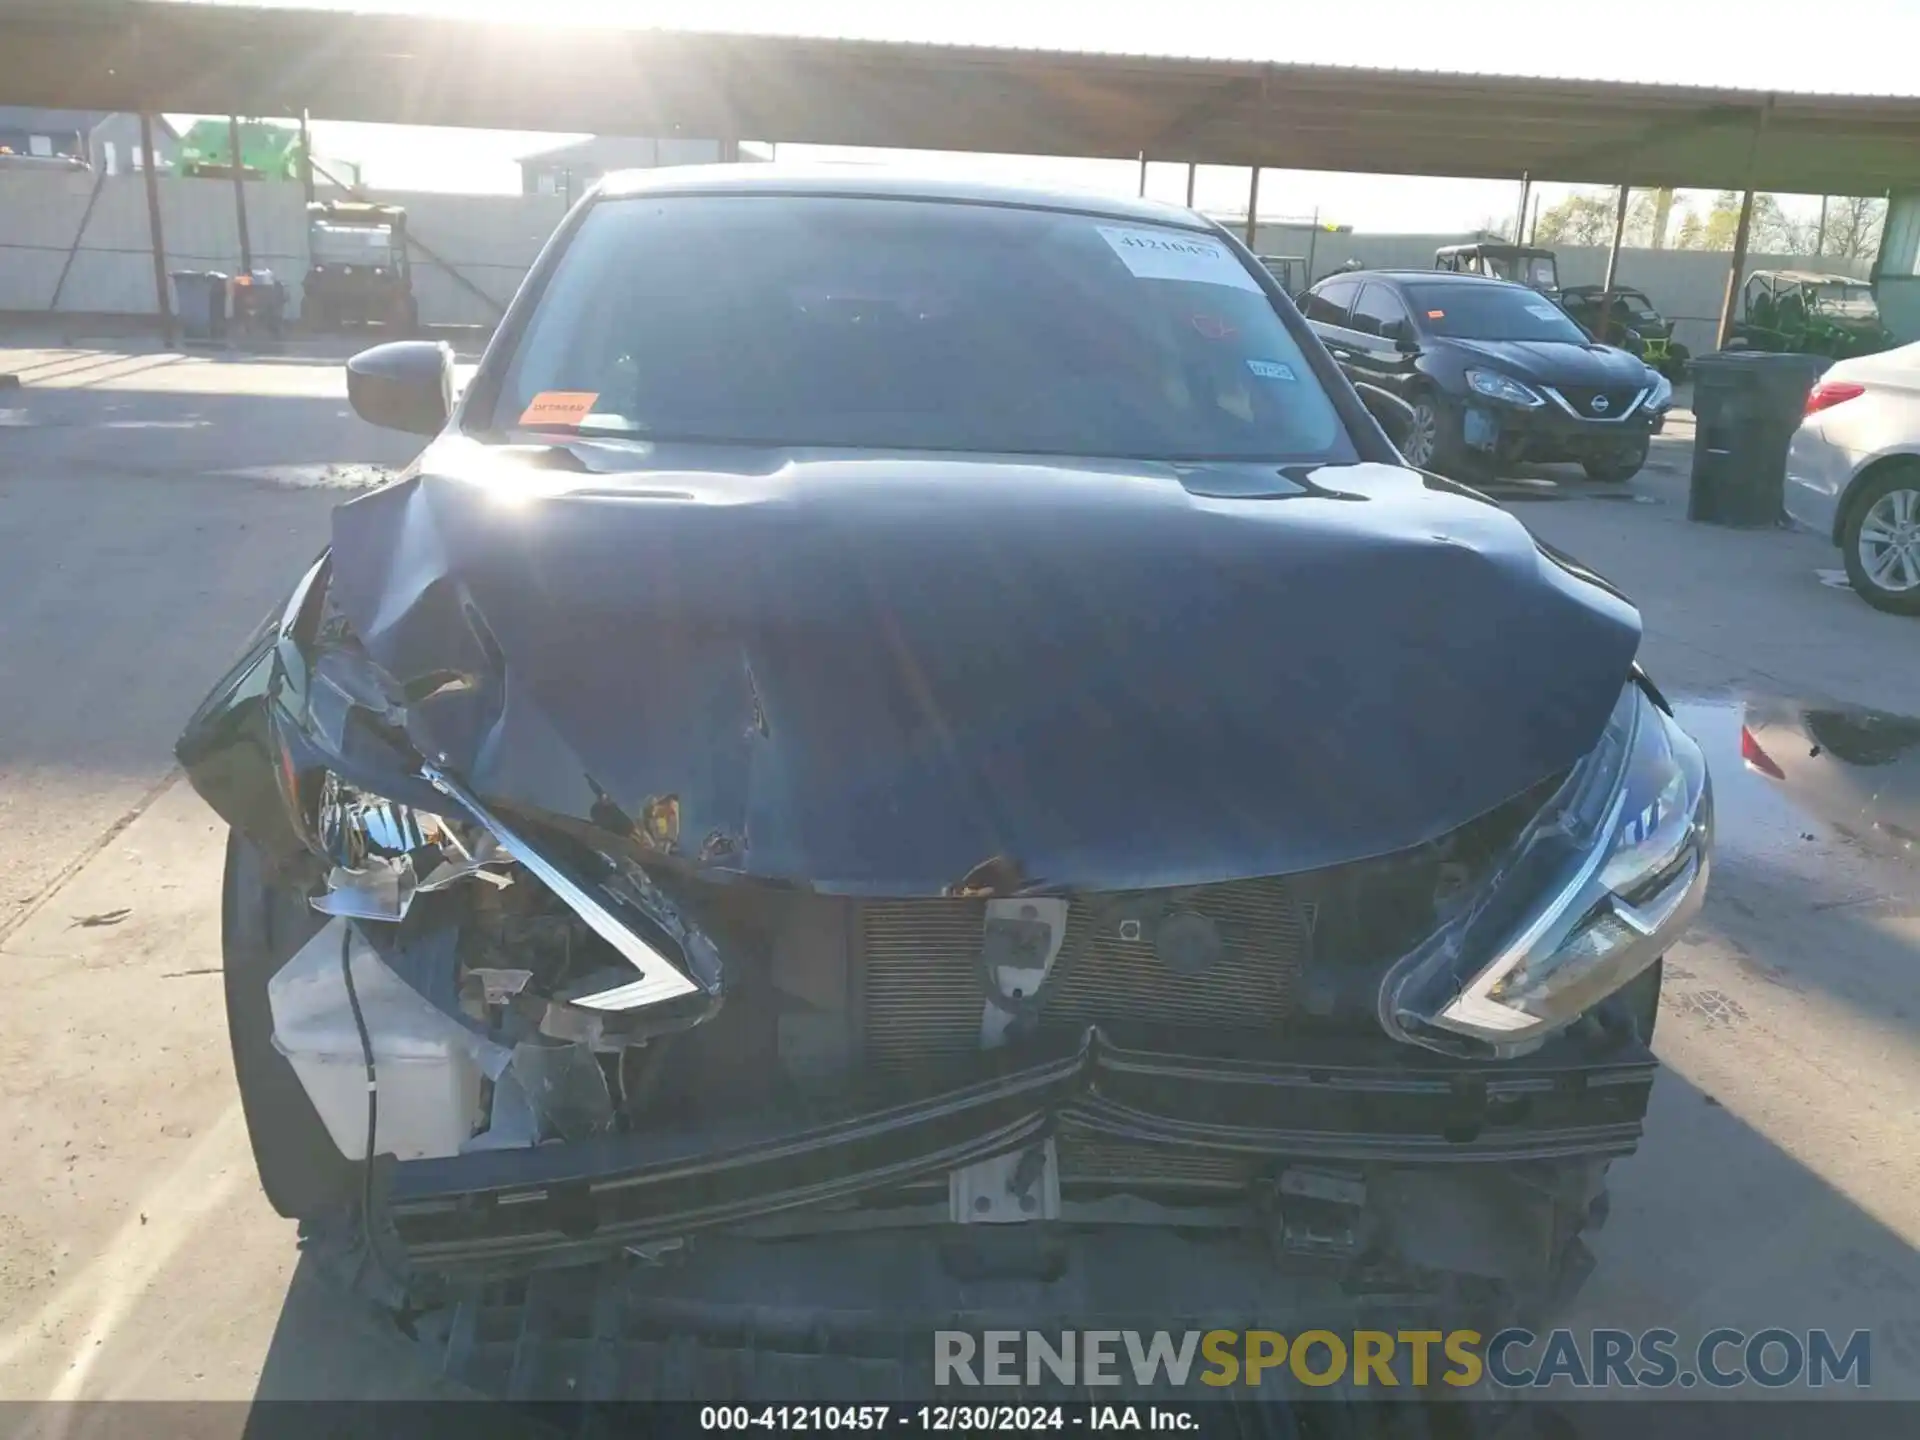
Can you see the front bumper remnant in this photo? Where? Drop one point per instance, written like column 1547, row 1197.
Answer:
column 1550, row 432
column 1329, row 1104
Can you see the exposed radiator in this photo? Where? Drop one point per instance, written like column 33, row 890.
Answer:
column 921, row 969
column 1092, row 1159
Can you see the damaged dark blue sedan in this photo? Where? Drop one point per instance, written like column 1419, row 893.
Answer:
column 914, row 735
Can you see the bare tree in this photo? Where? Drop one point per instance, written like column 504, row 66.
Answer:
column 1771, row 230
column 1586, row 218
column 1580, row 219
column 1853, row 226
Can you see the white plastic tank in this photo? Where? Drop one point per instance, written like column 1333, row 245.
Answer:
column 424, row 1062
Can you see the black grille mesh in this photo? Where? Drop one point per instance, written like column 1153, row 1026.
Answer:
column 1093, row 1159
column 921, row 969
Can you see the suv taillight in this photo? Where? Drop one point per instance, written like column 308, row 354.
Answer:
column 1829, row 393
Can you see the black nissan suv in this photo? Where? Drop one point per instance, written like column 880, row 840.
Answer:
column 1496, row 373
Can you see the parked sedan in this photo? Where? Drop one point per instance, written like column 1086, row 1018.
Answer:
column 1496, row 373
column 1853, row 473
column 916, row 732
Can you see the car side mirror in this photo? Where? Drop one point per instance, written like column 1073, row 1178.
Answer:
column 1394, row 414
column 405, row 385
column 1406, row 344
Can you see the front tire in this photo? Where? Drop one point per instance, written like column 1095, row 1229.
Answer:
column 262, row 925
column 1436, row 441
column 1616, row 467
column 1880, row 540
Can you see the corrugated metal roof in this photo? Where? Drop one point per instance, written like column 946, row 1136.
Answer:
column 203, row 59
column 546, row 20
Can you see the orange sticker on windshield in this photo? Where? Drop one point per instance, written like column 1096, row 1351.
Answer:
column 1436, row 314
column 560, row 407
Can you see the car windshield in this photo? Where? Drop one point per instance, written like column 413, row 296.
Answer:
column 1845, row 299
column 1479, row 311
column 351, row 244
column 1538, row 271
column 903, row 324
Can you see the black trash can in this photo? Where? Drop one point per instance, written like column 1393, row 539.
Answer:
column 200, row 300
column 1746, row 406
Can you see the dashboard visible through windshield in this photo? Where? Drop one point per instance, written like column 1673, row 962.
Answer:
column 1482, row 311
column 839, row 322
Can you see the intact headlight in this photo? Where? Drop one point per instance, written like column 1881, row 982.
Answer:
column 1661, row 395
column 1593, row 892
column 1504, row 388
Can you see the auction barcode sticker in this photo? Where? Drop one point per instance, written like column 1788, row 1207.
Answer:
column 1176, row 255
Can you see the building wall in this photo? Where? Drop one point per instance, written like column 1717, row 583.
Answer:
column 576, row 167
column 490, row 241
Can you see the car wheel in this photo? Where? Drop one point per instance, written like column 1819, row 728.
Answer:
column 1434, row 441
column 1423, row 435
column 1880, row 541
column 262, row 925
column 1616, row 467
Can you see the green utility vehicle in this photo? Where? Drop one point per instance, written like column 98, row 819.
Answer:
column 1802, row 312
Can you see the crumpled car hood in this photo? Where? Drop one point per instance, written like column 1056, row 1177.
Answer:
column 871, row 674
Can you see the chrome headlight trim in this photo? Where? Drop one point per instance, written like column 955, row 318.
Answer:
column 659, row 979
column 1508, row 391
column 1595, row 889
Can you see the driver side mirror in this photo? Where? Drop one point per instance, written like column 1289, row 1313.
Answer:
column 405, row 385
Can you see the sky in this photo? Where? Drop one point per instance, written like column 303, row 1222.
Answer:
column 1696, row 42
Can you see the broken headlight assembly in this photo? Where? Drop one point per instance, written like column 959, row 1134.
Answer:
column 1592, row 892
column 382, row 853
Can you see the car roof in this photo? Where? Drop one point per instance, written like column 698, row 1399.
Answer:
column 883, row 182
column 1809, row 277
column 1425, row 277
column 1493, row 247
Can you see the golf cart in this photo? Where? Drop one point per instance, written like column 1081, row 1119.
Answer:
column 1523, row 264
column 358, row 271
column 1633, row 324
column 1802, row 312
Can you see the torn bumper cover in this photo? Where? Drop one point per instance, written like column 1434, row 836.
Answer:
column 1582, row 1100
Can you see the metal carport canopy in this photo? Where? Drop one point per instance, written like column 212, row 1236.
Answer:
column 161, row 56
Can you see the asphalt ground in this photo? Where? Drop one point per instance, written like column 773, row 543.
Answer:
column 154, row 506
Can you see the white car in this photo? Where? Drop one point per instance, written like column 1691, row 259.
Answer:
column 1853, row 473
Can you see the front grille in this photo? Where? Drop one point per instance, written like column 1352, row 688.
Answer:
column 1581, row 397
column 923, row 998
column 1093, row 1160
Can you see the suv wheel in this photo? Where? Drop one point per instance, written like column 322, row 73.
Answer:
column 1880, row 541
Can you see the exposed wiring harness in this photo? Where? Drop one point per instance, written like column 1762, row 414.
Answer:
column 373, row 1116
